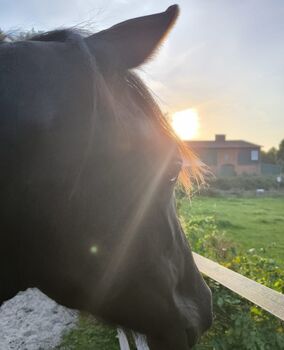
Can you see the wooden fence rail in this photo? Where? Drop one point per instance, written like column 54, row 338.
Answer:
column 266, row 298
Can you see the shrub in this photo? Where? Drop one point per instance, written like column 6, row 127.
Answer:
column 238, row 324
column 244, row 182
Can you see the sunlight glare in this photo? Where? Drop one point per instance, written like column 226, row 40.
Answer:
column 186, row 123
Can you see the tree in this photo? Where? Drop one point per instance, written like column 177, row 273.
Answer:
column 270, row 156
column 280, row 152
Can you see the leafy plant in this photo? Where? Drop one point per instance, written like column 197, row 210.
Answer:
column 238, row 324
column 90, row 335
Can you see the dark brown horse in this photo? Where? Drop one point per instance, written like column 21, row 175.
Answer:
column 88, row 168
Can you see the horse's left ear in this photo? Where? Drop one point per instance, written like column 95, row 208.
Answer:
column 128, row 44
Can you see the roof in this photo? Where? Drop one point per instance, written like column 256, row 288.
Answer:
column 222, row 144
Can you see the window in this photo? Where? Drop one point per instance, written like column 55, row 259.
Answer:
column 254, row 155
column 247, row 156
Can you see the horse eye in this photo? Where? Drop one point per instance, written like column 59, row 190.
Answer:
column 174, row 172
column 173, row 179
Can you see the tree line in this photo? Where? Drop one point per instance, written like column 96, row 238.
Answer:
column 274, row 155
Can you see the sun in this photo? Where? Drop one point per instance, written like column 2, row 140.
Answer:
column 186, row 123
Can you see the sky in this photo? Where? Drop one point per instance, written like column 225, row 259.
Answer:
column 224, row 58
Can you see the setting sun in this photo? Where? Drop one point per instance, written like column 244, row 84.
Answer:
column 186, row 123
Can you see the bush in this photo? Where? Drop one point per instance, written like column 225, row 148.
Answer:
column 238, row 186
column 238, row 324
column 244, row 182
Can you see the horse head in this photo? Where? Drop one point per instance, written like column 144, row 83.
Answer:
column 89, row 166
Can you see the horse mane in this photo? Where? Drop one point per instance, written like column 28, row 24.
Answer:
column 54, row 35
column 189, row 175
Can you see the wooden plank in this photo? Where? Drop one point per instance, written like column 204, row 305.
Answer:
column 122, row 338
column 268, row 299
column 140, row 341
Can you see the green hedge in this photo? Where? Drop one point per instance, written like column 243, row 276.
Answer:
column 244, row 182
column 242, row 186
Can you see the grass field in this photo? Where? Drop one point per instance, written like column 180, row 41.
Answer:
column 250, row 222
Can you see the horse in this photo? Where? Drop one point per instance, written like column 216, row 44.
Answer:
column 88, row 170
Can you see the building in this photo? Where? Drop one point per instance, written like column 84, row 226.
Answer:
column 228, row 157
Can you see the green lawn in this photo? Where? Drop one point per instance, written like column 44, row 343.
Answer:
column 250, row 222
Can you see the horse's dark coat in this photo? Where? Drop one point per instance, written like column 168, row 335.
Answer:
column 87, row 169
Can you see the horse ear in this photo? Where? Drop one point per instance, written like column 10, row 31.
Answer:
column 128, row 44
